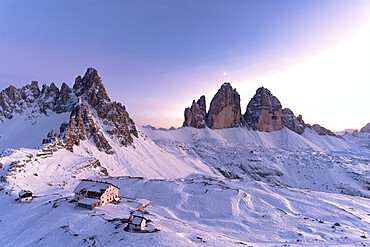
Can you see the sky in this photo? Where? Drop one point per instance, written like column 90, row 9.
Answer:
column 157, row 56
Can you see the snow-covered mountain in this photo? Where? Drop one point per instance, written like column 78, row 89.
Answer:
column 28, row 114
column 212, row 187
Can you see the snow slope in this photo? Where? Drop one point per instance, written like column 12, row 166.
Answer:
column 284, row 138
column 323, row 163
column 28, row 131
column 227, row 187
column 195, row 211
column 144, row 159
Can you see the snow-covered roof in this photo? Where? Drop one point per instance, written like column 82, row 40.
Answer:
column 90, row 185
column 88, row 201
column 137, row 220
column 24, row 192
column 143, row 201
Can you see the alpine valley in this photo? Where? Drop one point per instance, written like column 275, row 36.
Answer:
column 264, row 177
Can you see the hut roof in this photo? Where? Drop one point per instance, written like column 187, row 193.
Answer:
column 92, row 186
column 137, row 220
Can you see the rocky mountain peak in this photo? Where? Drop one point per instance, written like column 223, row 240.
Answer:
column 263, row 111
column 196, row 115
column 292, row 122
column 202, row 103
column 225, row 110
column 88, row 93
column 14, row 100
column 33, row 88
column 11, row 92
column 65, row 92
column 91, row 87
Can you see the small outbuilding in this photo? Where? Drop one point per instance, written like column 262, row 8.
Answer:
column 88, row 203
column 143, row 203
column 25, row 196
column 136, row 222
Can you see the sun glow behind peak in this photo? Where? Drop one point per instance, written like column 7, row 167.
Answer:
column 322, row 85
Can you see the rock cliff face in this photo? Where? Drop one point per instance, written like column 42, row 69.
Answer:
column 225, row 110
column 87, row 97
column 121, row 127
column 196, row 115
column 264, row 112
column 82, row 127
column 65, row 99
column 292, row 122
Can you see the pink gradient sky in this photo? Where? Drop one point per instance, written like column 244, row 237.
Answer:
column 156, row 57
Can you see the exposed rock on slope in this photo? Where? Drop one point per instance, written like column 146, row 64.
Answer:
column 297, row 124
column 45, row 101
column 82, row 126
column 120, row 126
column 224, row 111
column 321, row 130
column 93, row 115
column 91, row 88
column 264, row 112
column 365, row 129
column 66, row 99
column 196, row 115
column 292, row 122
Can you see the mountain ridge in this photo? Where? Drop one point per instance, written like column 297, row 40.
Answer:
column 87, row 97
column 264, row 113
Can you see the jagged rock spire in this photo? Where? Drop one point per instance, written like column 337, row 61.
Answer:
column 90, row 86
column 91, row 93
column 225, row 110
column 263, row 111
column 196, row 116
column 292, row 122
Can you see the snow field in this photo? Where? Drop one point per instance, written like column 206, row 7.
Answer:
column 192, row 211
column 227, row 187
